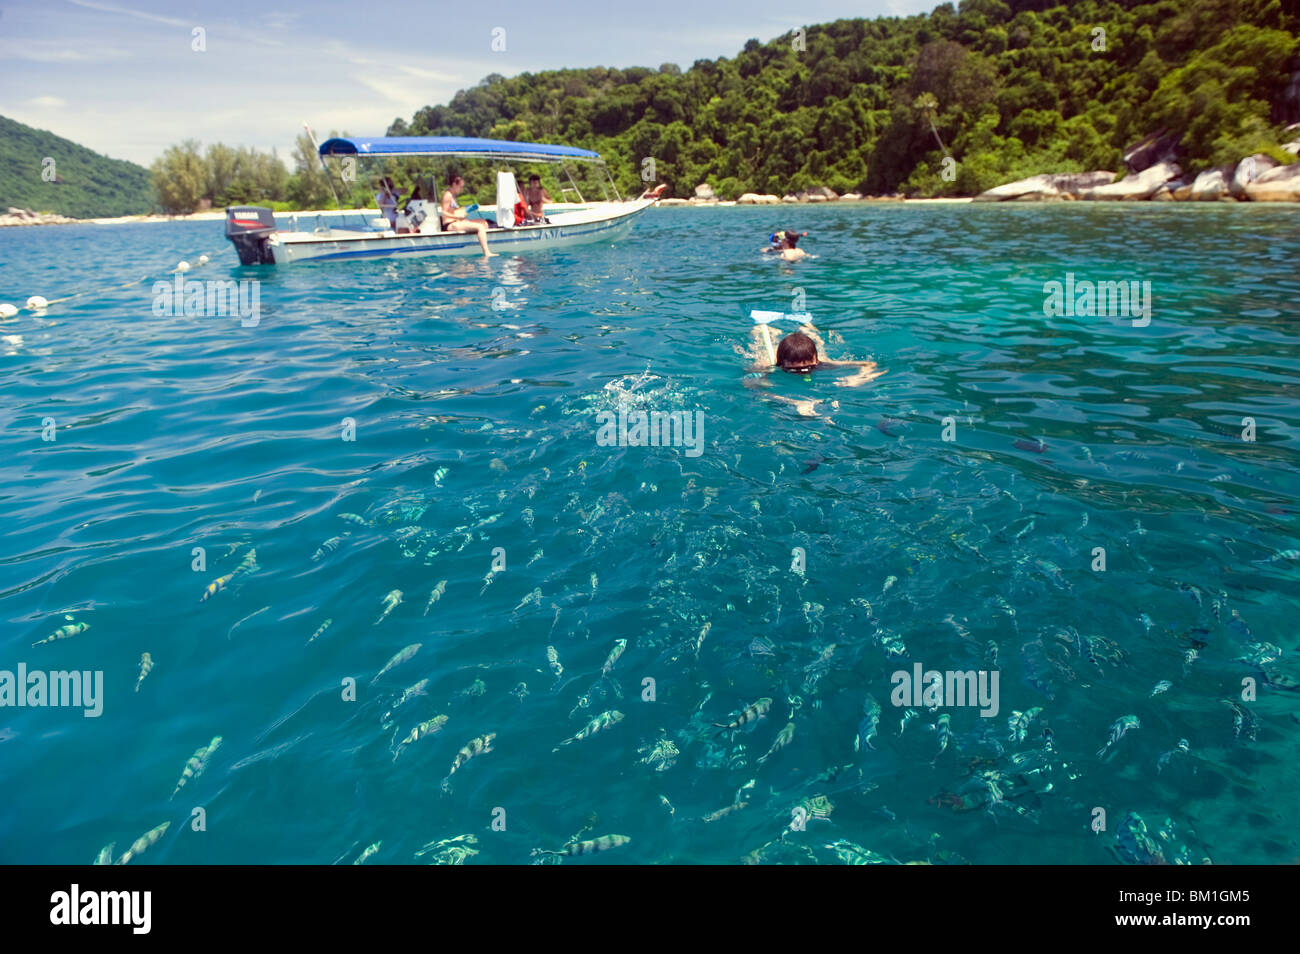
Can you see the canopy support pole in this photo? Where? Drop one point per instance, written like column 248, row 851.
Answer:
column 610, row 176
column 565, row 167
column 324, row 168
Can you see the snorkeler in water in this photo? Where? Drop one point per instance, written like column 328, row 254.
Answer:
column 800, row 352
column 784, row 245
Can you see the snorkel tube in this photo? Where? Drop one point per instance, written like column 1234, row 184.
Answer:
column 765, row 318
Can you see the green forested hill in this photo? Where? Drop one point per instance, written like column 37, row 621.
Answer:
column 86, row 184
column 1009, row 88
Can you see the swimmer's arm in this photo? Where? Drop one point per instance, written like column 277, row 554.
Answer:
column 760, row 352
column 867, row 371
column 806, row 408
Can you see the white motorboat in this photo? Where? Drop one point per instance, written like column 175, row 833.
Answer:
column 259, row 240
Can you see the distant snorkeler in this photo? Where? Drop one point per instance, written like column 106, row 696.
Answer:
column 783, row 245
column 800, row 352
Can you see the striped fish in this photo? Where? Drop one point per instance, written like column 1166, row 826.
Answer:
column 724, row 812
column 782, row 740
column 64, row 632
column 361, row 859
column 389, row 603
column 598, row 724
column 323, row 626
column 419, row 732
column 146, row 666
column 603, row 843
column 614, row 653
column 867, row 727
column 756, row 711
column 473, row 747
column 1018, row 723
column 406, row 696
column 945, row 736
column 436, row 595
column 404, row 655
column 144, row 843
column 197, row 763
column 329, row 546
column 851, row 854
column 215, row 587
column 1281, row 556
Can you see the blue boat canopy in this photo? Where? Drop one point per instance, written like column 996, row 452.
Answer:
column 456, row 146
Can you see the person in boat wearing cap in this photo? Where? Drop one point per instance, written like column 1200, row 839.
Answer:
column 800, row 352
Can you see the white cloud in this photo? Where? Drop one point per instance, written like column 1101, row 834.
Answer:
column 139, row 14
column 34, row 52
column 48, row 102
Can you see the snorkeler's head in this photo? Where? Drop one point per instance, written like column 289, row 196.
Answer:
column 796, row 352
column 791, row 237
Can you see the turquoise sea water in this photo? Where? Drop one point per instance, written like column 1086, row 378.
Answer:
column 175, row 433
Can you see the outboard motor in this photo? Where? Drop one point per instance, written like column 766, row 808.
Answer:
column 250, row 227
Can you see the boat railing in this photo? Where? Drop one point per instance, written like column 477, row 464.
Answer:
column 358, row 220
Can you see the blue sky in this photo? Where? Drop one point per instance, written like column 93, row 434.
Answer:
column 121, row 77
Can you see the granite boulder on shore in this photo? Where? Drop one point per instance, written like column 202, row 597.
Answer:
column 1140, row 185
column 1048, row 186
column 1279, row 184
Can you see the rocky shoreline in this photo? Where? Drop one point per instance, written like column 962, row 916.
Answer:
column 1257, row 178
column 16, row 217
column 28, row 217
column 1153, row 174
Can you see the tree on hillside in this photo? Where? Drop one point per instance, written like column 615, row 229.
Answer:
column 927, row 103
column 180, row 177
column 310, row 188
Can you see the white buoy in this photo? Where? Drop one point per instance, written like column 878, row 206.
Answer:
column 36, row 303
column 7, row 310
column 203, row 260
column 182, row 266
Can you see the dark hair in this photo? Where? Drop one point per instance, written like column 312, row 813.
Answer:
column 454, row 177
column 534, row 177
column 791, row 237
column 796, row 350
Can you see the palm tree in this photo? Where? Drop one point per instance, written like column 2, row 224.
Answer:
column 929, row 105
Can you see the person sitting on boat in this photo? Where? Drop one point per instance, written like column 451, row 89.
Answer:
column 454, row 218
column 536, row 197
column 412, row 214
column 801, row 352
column 522, row 215
column 387, row 198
